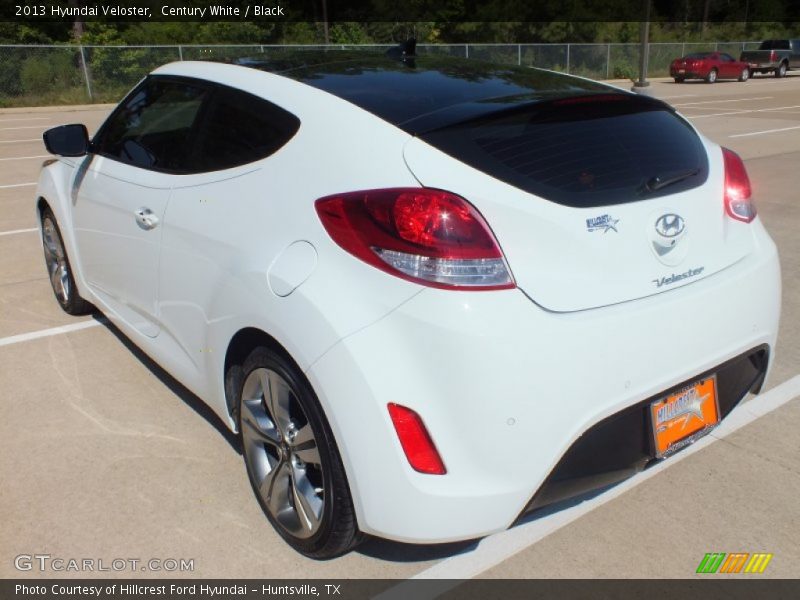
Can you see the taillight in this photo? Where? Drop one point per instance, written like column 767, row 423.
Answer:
column 738, row 201
column 416, row 441
column 423, row 235
column 773, row 56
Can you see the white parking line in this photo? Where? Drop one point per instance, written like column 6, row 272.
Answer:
column 496, row 548
column 26, row 157
column 18, row 141
column 26, row 119
column 23, row 127
column 16, row 185
column 35, row 335
column 16, row 231
column 763, row 132
column 724, row 101
column 744, row 111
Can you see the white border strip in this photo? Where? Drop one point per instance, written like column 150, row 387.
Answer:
column 20, row 141
column 16, row 185
column 16, row 231
column 35, row 335
column 497, row 548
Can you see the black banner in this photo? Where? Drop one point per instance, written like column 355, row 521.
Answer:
column 444, row 11
column 712, row 587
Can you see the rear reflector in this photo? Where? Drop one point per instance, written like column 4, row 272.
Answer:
column 738, row 202
column 416, row 441
column 423, row 235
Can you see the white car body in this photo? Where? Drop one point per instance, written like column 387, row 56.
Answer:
column 506, row 381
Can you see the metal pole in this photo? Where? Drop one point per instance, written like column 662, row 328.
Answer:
column 644, row 53
column 567, row 58
column 86, row 75
column 519, row 54
column 180, row 53
column 608, row 61
column 466, row 50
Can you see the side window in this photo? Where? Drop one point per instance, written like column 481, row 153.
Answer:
column 153, row 128
column 726, row 57
column 240, row 128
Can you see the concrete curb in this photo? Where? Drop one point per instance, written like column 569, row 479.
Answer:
column 44, row 109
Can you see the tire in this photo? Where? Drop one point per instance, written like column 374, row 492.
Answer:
column 678, row 79
column 301, row 485
column 744, row 75
column 59, row 270
column 712, row 76
column 781, row 70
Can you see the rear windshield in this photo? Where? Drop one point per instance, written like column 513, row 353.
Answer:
column 585, row 151
column 774, row 45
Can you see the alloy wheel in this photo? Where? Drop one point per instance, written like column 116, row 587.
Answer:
column 56, row 261
column 281, row 453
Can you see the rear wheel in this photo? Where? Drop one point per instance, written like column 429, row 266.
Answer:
column 59, row 270
column 745, row 75
column 781, row 70
column 679, row 80
column 712, row 76
column 292, row 459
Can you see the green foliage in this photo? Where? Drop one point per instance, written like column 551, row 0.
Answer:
column 625, row 71
column 41, row 74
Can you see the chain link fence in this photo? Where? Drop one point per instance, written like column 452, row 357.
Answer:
column 53, row 75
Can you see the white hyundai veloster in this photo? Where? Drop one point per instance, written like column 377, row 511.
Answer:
column 432, row 294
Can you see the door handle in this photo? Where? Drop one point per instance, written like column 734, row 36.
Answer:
column 146, row 218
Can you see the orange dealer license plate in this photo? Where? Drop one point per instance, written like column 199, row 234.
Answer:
column 684, row 416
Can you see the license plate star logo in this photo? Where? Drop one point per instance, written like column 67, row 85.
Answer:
column 687, row 406
column 604, row 223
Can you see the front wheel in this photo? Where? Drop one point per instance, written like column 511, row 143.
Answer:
column 712, row 76
column 292, row 459
column 59, row 270
column 745, row 75
column 781, row 70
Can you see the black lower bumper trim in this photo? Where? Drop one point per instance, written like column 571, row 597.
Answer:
column 621, row 445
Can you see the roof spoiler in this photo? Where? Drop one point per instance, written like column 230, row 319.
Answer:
column 404, row 50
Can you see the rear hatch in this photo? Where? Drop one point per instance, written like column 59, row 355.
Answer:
column 595, row 200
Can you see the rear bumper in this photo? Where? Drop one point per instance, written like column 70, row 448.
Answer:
column 687, row 74
column 767, row 66
column 621, row 445
column 506, row 388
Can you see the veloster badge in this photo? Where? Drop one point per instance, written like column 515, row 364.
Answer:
column 676, row 277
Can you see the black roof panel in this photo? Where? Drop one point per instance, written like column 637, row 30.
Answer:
column 425, row 92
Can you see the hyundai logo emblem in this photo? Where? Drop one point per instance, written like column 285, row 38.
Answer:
column 670, row 225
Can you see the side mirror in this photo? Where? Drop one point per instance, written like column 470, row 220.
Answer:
column 67, row 140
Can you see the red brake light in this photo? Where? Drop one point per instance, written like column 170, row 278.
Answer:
column 427, row 236
column 738, row 202
column 773, row 56
column 416, row 441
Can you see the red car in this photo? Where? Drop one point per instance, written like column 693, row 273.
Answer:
column 709, row 66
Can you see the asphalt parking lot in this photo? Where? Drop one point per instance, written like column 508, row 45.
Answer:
column 104, row 456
